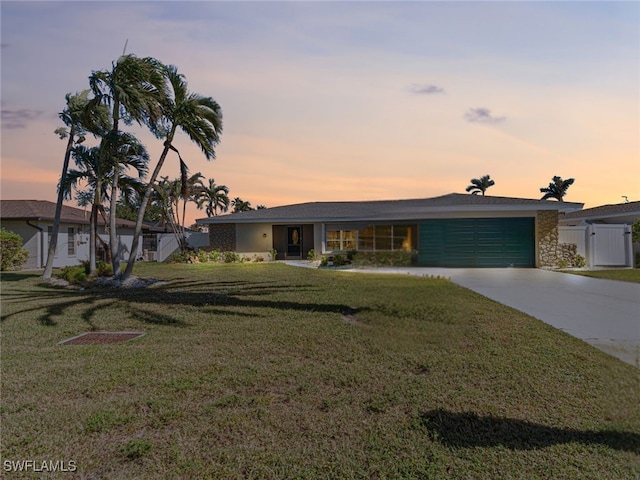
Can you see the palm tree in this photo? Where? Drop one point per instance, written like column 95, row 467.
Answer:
column 158, row 202
column 80, row 116
column 90, row 172
column 96, row 170
column 135, row 89
column 215, row 197
column 197, row 116
column 127, row 151
column 240, row 205
column 480, row 185
column 190, row 188
column 557, row 188
column 167, row 194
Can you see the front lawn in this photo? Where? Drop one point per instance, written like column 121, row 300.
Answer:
column 624, row 275
column 269, row 371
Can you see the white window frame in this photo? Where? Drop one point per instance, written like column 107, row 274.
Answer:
column 71, row 242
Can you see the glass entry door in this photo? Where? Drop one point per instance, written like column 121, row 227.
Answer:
column 294, row 242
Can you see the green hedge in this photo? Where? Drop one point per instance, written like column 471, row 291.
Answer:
column 12, row 255
column 399, row 258
column 212, row 256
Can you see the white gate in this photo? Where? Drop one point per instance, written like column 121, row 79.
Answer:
column 610, row 245
column 601, row 244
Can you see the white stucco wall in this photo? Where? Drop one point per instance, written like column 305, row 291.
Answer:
column 37, row 243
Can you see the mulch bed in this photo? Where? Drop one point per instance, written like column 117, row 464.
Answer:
column 101, row 338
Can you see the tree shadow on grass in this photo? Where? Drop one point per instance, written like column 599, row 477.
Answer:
column 51, row 300
column 468, row 430
column 215, row 297
column 16, row 277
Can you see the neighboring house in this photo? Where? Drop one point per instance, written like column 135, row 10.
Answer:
column 33, row 221
column 603, row 234
column 626, row 213
column 455, row 230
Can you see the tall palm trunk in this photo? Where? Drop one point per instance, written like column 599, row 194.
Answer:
column 53, row 244
column 184, row 214
column 93, row 222
column 113, row 235
column 93, row 235
column 143, row 205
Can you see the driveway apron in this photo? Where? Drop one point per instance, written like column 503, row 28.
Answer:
column 603, row 313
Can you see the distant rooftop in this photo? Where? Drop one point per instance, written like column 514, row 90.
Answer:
column 44, row 210
column 627, row 210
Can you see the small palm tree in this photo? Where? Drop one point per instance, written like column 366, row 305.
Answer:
column 80, row 116
column 480, row 185
column 96, row 170
column 91, row 171
column 190, row 188
column 197, row 116
column 557, row 188
column 168, row 194
column 240, row 205
column 165, row 192
column 214, row 197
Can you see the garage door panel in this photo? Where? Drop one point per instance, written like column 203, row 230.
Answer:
column 481, row 242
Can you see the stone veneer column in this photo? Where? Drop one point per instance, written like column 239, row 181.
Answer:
column 547, row 237
column 222, row 237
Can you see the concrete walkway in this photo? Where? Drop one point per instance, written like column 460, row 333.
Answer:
column 603, row 313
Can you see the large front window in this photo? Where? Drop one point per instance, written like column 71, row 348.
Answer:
column 369, row 238
column 341, row 240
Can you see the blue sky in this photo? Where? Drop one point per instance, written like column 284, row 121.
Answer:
column 351, row 100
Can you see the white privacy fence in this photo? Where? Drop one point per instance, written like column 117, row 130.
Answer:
column 602, row 245
column 168, row 243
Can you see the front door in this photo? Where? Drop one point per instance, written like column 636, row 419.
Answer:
column 294, row 242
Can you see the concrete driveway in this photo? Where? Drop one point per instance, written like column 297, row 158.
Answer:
column 603, row 313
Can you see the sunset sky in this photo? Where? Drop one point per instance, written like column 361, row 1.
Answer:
column 350, row 100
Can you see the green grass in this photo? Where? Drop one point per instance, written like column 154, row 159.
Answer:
column 624, row 275
column 270, row 371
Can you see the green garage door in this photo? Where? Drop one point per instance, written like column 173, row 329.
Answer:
column 477, row 242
